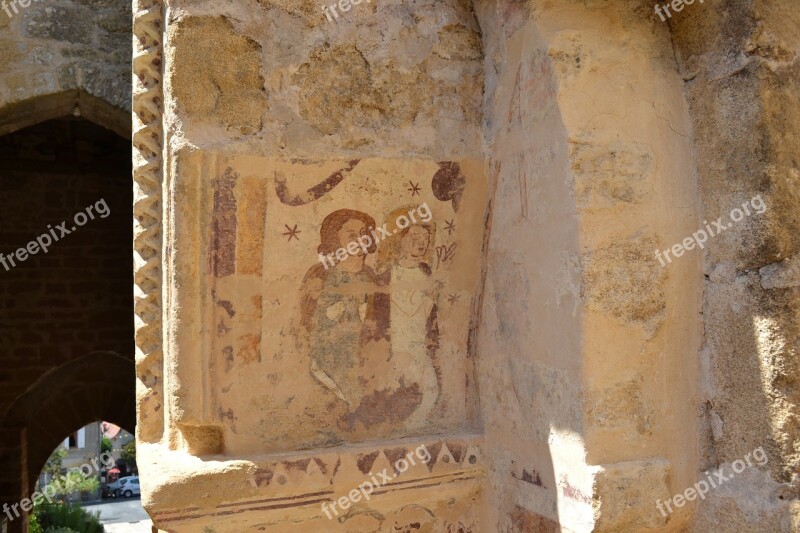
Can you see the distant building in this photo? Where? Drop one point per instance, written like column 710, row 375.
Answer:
column 83, row 448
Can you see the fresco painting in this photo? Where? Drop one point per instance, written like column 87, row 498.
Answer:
column 375, row 333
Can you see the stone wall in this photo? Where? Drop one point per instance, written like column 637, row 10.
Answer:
column 56, row 55
column 67, row 328
column 587, row 377
column 558, row 375
column 64, row 59
column 270, row 157
column 555, row 144
column 264, row 148
column 385, row 79
column 76, row 298
column 739, row 60
column 529, row 349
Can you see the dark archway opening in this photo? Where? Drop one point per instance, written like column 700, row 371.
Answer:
column 66, row 277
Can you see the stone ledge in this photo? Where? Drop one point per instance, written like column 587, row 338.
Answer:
column 296, row 484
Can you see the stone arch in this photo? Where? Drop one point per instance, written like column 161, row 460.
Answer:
column 67, row 398
column 74, row 299
column 62, row 61
column 40, row 108
column 57, row 57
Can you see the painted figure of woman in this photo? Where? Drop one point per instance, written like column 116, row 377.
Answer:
column 335, row 302
column 412, row 310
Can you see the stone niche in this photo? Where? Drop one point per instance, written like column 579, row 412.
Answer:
column 323, row 323
column 294, row 370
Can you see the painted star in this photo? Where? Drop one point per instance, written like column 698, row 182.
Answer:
column 453, row 298
column 414, row 189
column 450, row 227
column 291, row 232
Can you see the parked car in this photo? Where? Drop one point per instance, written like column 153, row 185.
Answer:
column 125, row 487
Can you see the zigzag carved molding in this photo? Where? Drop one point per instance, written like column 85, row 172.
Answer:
column 148, row 138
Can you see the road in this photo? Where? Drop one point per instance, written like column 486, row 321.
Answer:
column 124, row 515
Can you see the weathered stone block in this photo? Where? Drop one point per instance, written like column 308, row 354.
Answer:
column 620, row 406
column 623, row 278
column 61, row 23
column 307, row 10
column 625, row 495
column 458, row 42
column 338, row 86
column 208, row 86
column 606, row 176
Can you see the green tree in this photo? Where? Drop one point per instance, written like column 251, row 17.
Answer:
column 106, row 446
column 129, row 456
column 54, row 463
column 63, row 518
column 62, row 486
column 76, row 481
column 73, row 481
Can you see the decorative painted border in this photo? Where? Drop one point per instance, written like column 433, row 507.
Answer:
column 305, row 480
column 148, row 136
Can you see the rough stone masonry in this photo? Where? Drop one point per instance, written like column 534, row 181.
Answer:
column 561, row 378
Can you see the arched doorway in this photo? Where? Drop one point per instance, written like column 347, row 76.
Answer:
column 66, row 326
